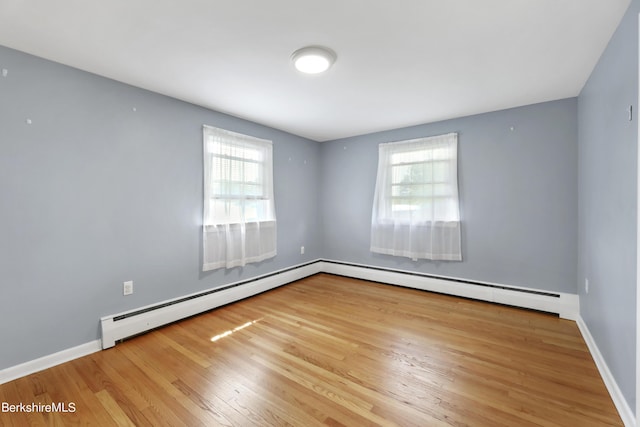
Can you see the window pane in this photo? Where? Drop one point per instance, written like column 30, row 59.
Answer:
column 229, row 209
column 252, row 172
column 236, row 177
column 251, row 210
column 402, row 207
column 412, row 190
column 399, row 191
column 253, row 190
column 440, row 171
column 419, row 183
column 441, row 190
column 238, row 186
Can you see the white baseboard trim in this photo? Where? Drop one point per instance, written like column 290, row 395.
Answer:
column 567, row 306
column 622, row 406
column 45, row 362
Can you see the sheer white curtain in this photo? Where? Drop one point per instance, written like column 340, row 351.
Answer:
column 239, row 220
column 416, row 209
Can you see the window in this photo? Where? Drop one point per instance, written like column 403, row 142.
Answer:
column 415, row 212
column 239, row 219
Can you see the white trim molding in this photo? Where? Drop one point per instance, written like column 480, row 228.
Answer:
column 51, row 360
column 622, row 406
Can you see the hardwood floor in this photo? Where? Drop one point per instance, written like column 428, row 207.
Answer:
column 333, row 351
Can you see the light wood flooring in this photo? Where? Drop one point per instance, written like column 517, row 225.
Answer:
column 333, row 351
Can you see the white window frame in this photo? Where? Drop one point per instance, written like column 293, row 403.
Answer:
column 416, row 205
column 239, row 222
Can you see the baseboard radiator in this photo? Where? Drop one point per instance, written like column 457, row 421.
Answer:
column 565, row 305
column 124, row 325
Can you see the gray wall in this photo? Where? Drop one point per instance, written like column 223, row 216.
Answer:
column 518, row 195
column 93, row 193
column 608, row 197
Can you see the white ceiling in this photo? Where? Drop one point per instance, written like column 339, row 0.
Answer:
column 400, row 63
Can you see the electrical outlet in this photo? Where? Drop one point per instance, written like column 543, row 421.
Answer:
column 127, row 287
column 586, row 285
column 301, row 250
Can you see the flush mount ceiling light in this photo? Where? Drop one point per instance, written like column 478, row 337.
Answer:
column 313, row 59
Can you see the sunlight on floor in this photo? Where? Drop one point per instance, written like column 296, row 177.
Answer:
column 229, row 332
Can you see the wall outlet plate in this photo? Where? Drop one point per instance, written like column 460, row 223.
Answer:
column 127, row 287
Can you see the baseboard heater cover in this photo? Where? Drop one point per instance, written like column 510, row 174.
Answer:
column 123, row 325
column 566, row 306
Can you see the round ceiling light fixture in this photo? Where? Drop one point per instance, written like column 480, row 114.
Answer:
column 313, row 59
